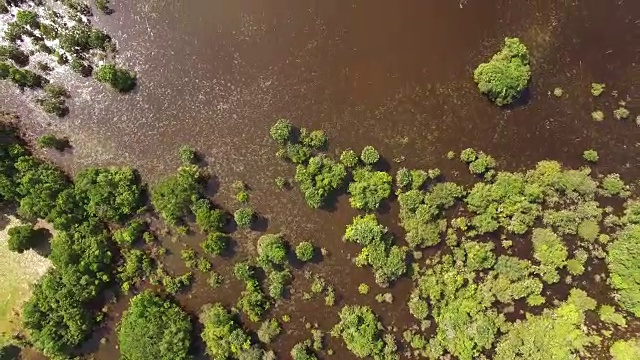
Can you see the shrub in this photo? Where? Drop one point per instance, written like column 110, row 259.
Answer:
column 187, row 154
column 359, row 328
column 80, row 67
column 12, row 52
column 25, row 78
column 277, row 281
column 369, row 189
column 269, row 330
column 208, row 219
column 244, row 217
column 153, row 328
column 252, row 301
column 315, row 139
column 173, row 196
column 621, row 113
column 22, row 238
column 468, row 155
column 297, row 153
column 272, row 250
column 597, row 115
column 53, row 106
column 319, row 178
column 222, row 334
column 215, row 243
column 558, row 92
column 304, row 251
column 506, row 75
column 625, row 269
column 127, row 236
column 103, row 6
column 119, row 79
column 281, row 131
column 281, row 182
column 110, row 194
column 590, row 155
column 349, row 158
column 597, row 89
column 625, row 349
column 550, row 251
column 243, row 271
column 27, row 18
column 50, row 141
column 363, row 289
column 369, row 155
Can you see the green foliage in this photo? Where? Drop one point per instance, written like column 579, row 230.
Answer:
column 136, row 266
column 187, row 154
column 125, row 237
column 25, row 78
column 597, row 115
column 363, row 289
column 305, row 251
column 555, row 334
column 281, row 131
column 551, row 252
column 511, row 280
column 109, row 194
column 153, row 328
column 22, row 238
column 482, row 164
column 624, row 267
column 369, row 189
column 297, row 153
column 479, row 256
column 621, row 113
column 506, row 75
column 120, row 79
column 207, row 218
column 244, row 217
column 303, row 351
column 222, row 334
column 349, row 158
column 216, row 243
column 27, row 18
column 272, row 250
column 281, row 182
column 277, row 281
column 253, row 302
column 625, row 349
column 609, row 315
column 14, row 53
column 173, row 196
column 597, row 89
column 588, row 230
column 103, row 6
column 243, row 271
column 613, row 185
column 269, row 330
column 590, row 155
column 360, row 330
column 369, row 155
column 365, row 230
column 315, row 139
column 319, row 178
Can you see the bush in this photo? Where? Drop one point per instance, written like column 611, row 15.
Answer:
column 319, row 178
column 103, row 6
column 222, row 334
column 12, row 52
column 621, row 113
column 173, row 196
column 269, row 330
column 110, row 194
column 50, row 141
column 22, row 238
column 153, row 328
column 215, row 243
column 27, row 18
column 208, row 219
column 119, row 79
column 304, row 251
column 281, row 131
column 551, row 252
column 243, row 271
column 25, row 78
column 349, row 158
column 625, row 269
column 53, row 105
column 468, row 155
column 186, row 154
column 359, row 328
column 506, row 75
column 625, row 349
column 127, row 236
column 590, row 155
column 369, row 155
column 597, row 115
column 252, row 301
column 80, row 67
column 315, row 139
column 272, row 250
column 369, row 189
column 597, row 89
column 244, row 217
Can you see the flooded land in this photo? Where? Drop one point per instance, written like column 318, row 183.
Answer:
column 215, row 76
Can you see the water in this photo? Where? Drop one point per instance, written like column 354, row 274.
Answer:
column 216, row 74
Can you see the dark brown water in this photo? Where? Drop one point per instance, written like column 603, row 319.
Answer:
column 216, row 74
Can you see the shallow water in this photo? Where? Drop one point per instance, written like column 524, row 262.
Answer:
column 397, row 75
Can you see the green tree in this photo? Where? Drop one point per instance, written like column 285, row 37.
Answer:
column 304, row 251
column 215, row 243
column 369, row 189
column 244, row 217
column 173, row 196
column 369, row 155
column 119, row 79
column 281, row 131
column 22, row 238
column 625, row 268
column 506, row 75
column 154, row 328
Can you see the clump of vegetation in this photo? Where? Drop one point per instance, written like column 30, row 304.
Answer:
column 223, row 335
column 216, row 243
column 315, row 139
column 551, row 252
column 281, row 132
column 363, row 289
column 22, row 238
column 349, row 158
column 272, row 250
column 590, row 155
column 506, row 75
column 269, row 330
column 360, row 330
column 597, row 115
column 624, row 267
column 305, row 251
column 135, row 267
column 153, row 328
column 173, row 196
column 597, row 89
column 120, row 79
column 369, row 189
column 103, row 6
column 318, row 179
column 186, row 154
column 625, row 349
column 558, row 92
column 621, row 113
column 281, row 182
column 369, row 155
column 244, row 217
column 50, row 141
column 208, row 219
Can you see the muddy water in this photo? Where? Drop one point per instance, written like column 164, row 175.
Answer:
column 215, row 75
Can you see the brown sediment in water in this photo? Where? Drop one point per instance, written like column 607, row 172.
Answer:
column 215, row 75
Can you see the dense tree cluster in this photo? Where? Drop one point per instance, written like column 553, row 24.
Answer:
column 361, row 332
